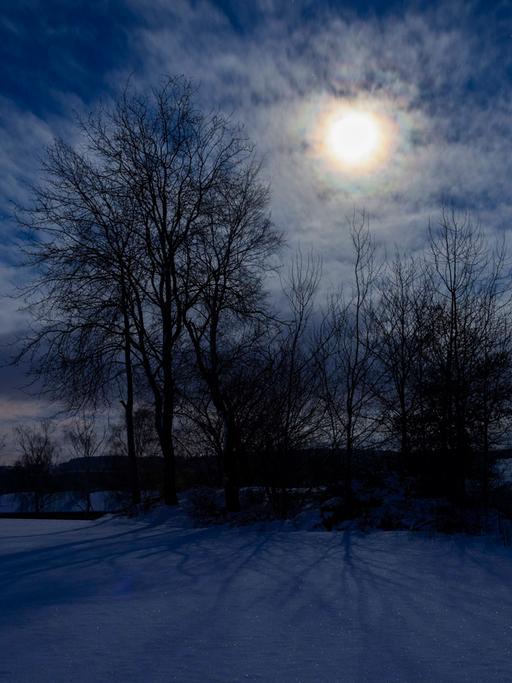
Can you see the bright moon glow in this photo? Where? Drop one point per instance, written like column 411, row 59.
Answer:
column 354, row 138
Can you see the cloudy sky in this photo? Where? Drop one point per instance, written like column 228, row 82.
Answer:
column 436, row 74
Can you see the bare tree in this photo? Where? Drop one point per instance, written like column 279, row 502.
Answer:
column 145, row 436
column 199, row 430
column 86, row 443
column 189, row 177
column 233, row 252
column 38, row 457
column 289, row 411
column 461, row 375
column 80, row 231
column 490, row 412
column 404, row 298
column 347, row 360
column 131, row 215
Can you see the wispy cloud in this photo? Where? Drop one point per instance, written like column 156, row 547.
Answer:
column 441, row 74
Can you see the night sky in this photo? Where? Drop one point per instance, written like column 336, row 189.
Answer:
column 439, row 74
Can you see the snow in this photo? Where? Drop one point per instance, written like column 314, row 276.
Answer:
column 156, row 599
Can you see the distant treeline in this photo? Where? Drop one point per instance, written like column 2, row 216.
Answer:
column 304, row 469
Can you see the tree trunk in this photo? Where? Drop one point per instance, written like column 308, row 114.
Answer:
column 169, row 483
column 230, row 466
column 348, row 464
column 165, row 421
column 132, row 455
column 128, row 410
column 128, row 405
column 88, row 503
column 404, row 433
column 348, row 478
column 170, row 496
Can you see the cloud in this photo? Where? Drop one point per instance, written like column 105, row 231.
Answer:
column 439, row 73
column 13, row 410
column 12, row 317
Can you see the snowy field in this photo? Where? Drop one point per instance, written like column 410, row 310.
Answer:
column 157, row 600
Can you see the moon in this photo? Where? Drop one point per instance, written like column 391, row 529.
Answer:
column 355, row 138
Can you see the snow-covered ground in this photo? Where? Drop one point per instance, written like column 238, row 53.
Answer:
column 157, row 600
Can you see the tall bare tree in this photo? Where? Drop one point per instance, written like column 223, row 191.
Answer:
column 289, row 411
column 403, row 300
column 136, row 216
column 81, row 245
column 347, row 359
column 468, row 342
column 233, row 252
